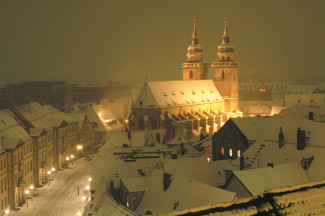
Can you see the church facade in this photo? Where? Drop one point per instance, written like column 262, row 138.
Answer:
column 225, row 69
column 194, row 104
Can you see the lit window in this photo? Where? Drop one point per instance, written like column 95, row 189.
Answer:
column 230, row 152
column 222, row 151
column 238, row 153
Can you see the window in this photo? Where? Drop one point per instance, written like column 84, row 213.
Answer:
column 1, row 186
column 230, row 152
column 238, row 153
column 5, row 182
column 191, row 74
column 222, row 151
column 222, row 75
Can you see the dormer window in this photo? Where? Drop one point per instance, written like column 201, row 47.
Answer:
column 306, row 162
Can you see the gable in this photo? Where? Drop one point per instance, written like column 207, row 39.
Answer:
column 145, row 98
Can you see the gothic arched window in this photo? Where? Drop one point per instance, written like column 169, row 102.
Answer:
column 191, row 74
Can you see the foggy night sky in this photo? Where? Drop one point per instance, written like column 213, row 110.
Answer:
column 99, row 40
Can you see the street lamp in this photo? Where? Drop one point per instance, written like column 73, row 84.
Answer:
column 87, row 187
column 72, row 156
column 67, row 161
column 49, row 173
column 26, row 193
column 78, row 213
column 79, row 149
column 53, row 170
column 90, row 179
column 7, row 211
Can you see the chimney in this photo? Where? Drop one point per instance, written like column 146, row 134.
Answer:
column 242, row 162
column 281, row 138
column 116, row 181
column 301, row 139
column 311, row 116
column 167, row 181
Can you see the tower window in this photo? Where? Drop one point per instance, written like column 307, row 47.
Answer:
column 191, row 74
column 230, row 152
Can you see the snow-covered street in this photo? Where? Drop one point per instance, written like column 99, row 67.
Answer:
column 60, row 197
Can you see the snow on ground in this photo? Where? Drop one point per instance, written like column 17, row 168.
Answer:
column 60, row 197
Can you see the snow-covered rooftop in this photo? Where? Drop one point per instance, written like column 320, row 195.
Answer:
column 177, row 93
column 198, row 169
column 102, row 116
column 256, row 181
column 181, row 193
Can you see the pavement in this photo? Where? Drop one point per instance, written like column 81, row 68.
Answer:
column 60, row 197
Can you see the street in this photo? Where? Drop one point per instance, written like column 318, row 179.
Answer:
column 60, row 197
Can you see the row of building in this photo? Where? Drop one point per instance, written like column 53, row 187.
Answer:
column 59, row 93
column 34, row 140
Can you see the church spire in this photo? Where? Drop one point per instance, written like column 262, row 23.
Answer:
column 225, row 36
column 194, row 51
column 195, row 38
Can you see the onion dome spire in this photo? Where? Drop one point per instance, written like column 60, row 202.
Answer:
column 225, row 36
column 195, row 39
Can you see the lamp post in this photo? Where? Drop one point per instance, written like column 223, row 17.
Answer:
column 26, row 194
column 72, row 156
column 7, row 212
column 49, row 173
column 79, row 149
column 53, row 170
column 67, row 161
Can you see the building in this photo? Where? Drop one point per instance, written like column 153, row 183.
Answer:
column 237, row 134
column 225, row 69
column 302, row 199
column 305, row 94
column 104, row 121
column 85, row 134
column 178, row 106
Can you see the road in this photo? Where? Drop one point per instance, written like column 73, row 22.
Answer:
column 60, row 198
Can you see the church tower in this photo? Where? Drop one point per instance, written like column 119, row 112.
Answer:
column 226, row 73
column 194, row 68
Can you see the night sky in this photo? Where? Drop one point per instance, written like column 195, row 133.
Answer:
column 94, row 41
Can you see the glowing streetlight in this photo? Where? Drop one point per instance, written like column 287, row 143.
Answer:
column 72, row 156
column 83, row 198
column 87, row 187
column 7, row 211
column 53, row 169
column 78, row 213
column 79, row 147
column 26, row 193
column 31, row 187
column 90, row 179
column 67, row 158
column 49, row 173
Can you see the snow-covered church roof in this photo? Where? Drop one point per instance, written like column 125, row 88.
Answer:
column 175, row 93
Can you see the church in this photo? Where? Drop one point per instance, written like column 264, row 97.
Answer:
column 194, row 104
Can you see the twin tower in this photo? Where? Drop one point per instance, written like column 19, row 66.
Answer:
column 225, row 69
